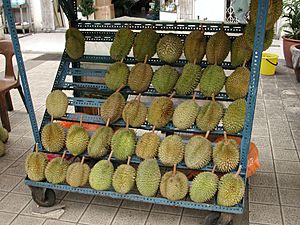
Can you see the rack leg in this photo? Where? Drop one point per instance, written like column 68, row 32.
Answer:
column 43, row 197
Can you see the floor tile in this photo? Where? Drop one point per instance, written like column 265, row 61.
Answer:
column 289, row 155
column 141, row 206
column 166, row 209
column 14, row 154
column 16, row 169
column 263, row 179
column 289, row 197
column 195, row 213
column 96, row 214
column 263, row 195
column 27, row 220
column 266, row 166
column 4, row 164
column 22, row 188
column 186, row 220
column 288, row 181
column 130, row 217
column 283, row 143
column 291, row 216
column 57, row 222
column 11, row 140
column 287, row 167
column 99, row 200
column 2, row 194
column 165, row 219
column 8, row 182
column 19, row 203
column 23, row 143
column 6, row 217
column 265, row 214
column 73, row 211
column 76, row 197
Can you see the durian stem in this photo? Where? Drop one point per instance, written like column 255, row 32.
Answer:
column 225, row 137
column 213, row 98
column 172, row 95
column 239, row 171
column 194, row 95
column 127, row 124
column 214, row 169
column 110, row 155
column 207, row 134
column 63, row 156
column 153, row 129
column 82, row 160
column 122, row 60
column 80, row 122
column 139, row 97
column 174, row 170
column 146, row 58
column 36, row 147
column 52, row 118
column 98, row 111
column 120, row 88
column 128, row 160
column 195, row 61
column 245, row 61
column 107, row 122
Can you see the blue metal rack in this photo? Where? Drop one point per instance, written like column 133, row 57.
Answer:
column 104, row 31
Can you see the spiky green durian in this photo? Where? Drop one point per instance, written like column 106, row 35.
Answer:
column 78, row 174
column 148, row 177
column 160, row 111
column 140, row 77
column 169, row 48
column 145, row 44
column 198, row 152
column 212, row 80
column 226, row 155
column 124, row 179
column 231, row 190
column 75, row 43
column 204, row 187
column 101, row 174
column 164, row 79
column 234, row 117
column 35, row 166
column 249, row 36
column 113, row 107
column 74, row 32
column 240, row 51
column 171, row 150
column 147, row 145
column 77, row 139
column 57, row 103
column 195, row 46
column 189, row 79
column 135, row 113
column 122, row 44
column 116, row 75
column 210, row 115
column 2, row 149
column 185, row 114
column 100, row 142
column 123, row 143
column 174, row 186
column 56, row 170
column 236, row 85
column 3, row 135
column 53, row 137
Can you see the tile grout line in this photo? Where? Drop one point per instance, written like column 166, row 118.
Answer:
column 148, row 214
column 114, row 217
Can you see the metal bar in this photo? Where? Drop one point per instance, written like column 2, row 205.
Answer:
column 68, row 8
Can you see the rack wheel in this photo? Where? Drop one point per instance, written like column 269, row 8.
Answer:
column 218, row 219
column 43, row 197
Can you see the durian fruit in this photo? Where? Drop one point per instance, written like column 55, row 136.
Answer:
column 226, row 154
column 210, row 115
column 100, row 142
column 250, row 33
column 35, row 165
column 122, row 44
column 198, row 152
column 123, row 143
column 218, row 47
column 147, row 146
column 164, row 79
column 3, row 135
column 2, row 149
column 145, row 44
column 112, row 108
column 135, row 113
column 195, row 46
column 124, row 178
column 101, row 174
column 204, row 187
column 116, row 75
column 185, row 114
column 148, row 177
column 189, row 79
column 77, row 139
column 240, row 52
column 169, row 48
column 231, row 189
column 56, row 170
column 57, row 103
column 53, row 137
column 236, row 85
column 212, row 80
column 78, row 174
column 233, row 120
column 160, row 111
column 174, row 185
column 75, row 43
column 171, row 150
column 140, row 77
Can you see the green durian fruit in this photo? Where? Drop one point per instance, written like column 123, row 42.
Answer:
column 74, row 32
column 77, row 139
column 210, row 115
column 169, row 48
column 226, row 155
column 53, row 137
column 240, row 52
column 124, row 179
column 3, row 135
column 122, row 44
column 113, row 107
column 35, row 166
column 140, row 77
column 171, row 150
column 100, row 142
column 198, row 152
column 116, row 75
column 75, row 43
column 147, row 146
column 160, row 112
column 56, row 170
column 231, row 190
column 174, row 186
column 164, row 79
column 57, row 103
column 185, row 114
column 212, row 80
column 250, row 33
column 195, row 46
column 2, row 149
column 204, row 187
column 189, row 79
column 148, row 177
column 236, row 85
column 78, row 174
column 101, row 174
column 233, row 120
column 135, row 113
column 123, row 143
column 145, row 44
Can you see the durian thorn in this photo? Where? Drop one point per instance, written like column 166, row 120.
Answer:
column 195, row 61
column 63, row 156
column 146, row 58
column 37, row 147
column 239, row 171
column 107, row 122
column 122, row 60
column 110, row 155
column 82, row 160
column 80, row 122
column 52, row 118
column 172, row 95
column 128, row 160
column 207, row 134
column 245, row 61
column 120, row 88
column 174, row 170
column 153, row 129
column 214, row 169
column 225, row 137
column 194, row 95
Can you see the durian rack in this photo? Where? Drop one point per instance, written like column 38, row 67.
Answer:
column 96, row 31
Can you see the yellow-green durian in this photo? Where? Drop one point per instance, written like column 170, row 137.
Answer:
column 250, row 33
column 101, row 174
column 56, row 170
column 113, row 107
column 135, row 113
column 140, row 77
column 185, row 114
column 77, row 139
column 147, row 145
column 53, row 137
column 100, row 142
column 169, row 48
column 78, row 174
column 124, row 179
column 3, row 135
column 2, row 149
column 116, row 75
column 57, row 103
column 171, row 150
column 75, row 43
column 35, row 166
column 195, row 46
column 123, row 143
column 240, row 51
column 164, row 79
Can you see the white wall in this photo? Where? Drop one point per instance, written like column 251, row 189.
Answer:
column 42, row 15
column 213, row 10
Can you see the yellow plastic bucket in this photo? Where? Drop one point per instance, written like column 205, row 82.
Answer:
column 268, row 63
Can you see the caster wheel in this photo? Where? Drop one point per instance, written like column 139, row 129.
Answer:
column 215, row 218
column 211, row 218
column 43, row 197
